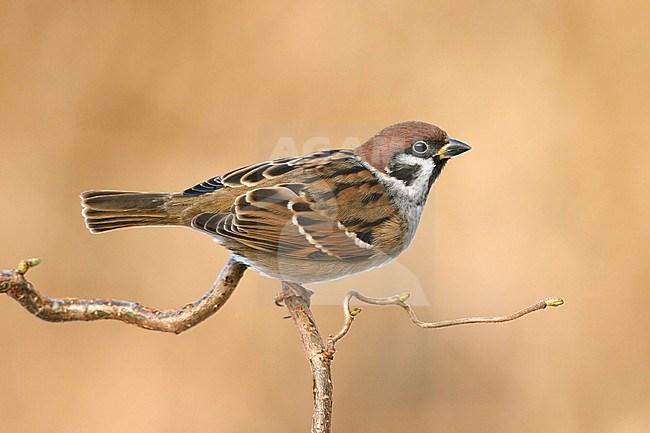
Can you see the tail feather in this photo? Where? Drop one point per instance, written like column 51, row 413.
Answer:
column 111, row 210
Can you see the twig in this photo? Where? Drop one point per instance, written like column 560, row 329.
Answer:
column 400, row 301
column 14, row 284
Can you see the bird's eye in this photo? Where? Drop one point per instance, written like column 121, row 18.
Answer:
column 420, row 147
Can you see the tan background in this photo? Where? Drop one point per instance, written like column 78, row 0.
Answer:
column 553, row 199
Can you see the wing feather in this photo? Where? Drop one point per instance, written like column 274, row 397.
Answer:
column 331, row 214
column 278, row 221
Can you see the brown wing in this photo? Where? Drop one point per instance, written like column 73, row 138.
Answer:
column 334, row 212
column 278, row 221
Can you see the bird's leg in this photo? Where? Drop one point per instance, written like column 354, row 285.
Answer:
column 14, row 284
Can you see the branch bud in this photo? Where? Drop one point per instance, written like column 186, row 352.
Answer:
column 404, row 296
column 553, row 302
column 24, row 265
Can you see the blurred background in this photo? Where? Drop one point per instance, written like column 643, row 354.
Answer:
column 157, row 96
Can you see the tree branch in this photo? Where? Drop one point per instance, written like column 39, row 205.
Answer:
column 296, row 298
column 320, row 355
column 14, row 284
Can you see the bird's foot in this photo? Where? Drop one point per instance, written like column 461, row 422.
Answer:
column 293, row 289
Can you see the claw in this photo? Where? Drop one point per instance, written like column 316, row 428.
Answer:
column 279, row 301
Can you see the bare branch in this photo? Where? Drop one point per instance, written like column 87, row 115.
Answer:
column 296, row 298
column 400, row 301
column 14, row 284
column 320, row 355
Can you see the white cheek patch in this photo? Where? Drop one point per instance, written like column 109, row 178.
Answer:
column 405, row 158
column 418, row 189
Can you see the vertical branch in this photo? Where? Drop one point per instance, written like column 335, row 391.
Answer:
column 319, row 360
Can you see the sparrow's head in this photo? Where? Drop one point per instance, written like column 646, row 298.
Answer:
column 410, row 155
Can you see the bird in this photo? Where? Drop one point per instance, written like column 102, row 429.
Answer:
column 303, row 219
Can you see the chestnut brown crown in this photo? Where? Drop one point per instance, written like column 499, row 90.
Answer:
column 380, row 149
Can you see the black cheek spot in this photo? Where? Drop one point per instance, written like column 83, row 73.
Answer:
column 404, row 172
